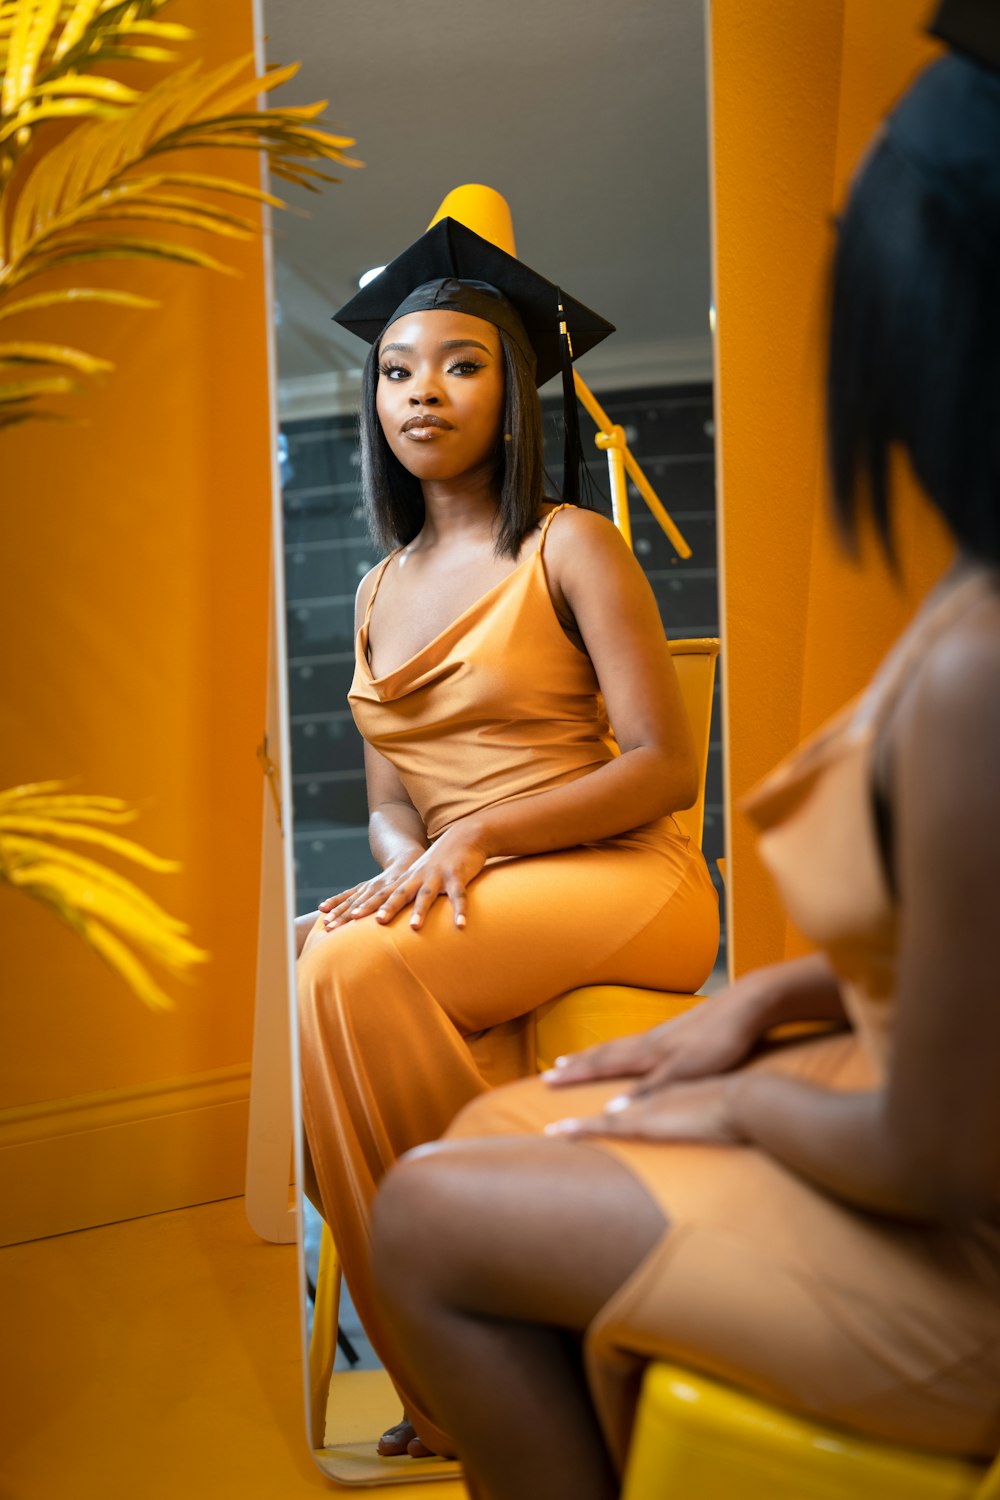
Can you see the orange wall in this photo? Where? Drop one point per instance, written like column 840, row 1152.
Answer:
column 796, row 94
column 134, row 613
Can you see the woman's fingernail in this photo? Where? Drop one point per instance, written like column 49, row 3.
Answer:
column 549, row 1075
column 459, row 921
column 617, row 1104
column 562, row 1127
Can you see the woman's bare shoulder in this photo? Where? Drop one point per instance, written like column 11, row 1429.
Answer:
column 950, row 728
column 960, row 673
column 577, row 531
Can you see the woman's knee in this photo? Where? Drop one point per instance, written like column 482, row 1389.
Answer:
column 416, row 1218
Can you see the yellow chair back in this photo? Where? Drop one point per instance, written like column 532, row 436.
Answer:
column 695, row 663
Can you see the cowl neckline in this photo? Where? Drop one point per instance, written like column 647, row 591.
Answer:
column 417, row 671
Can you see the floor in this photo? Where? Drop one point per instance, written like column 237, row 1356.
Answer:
column 156, row 1358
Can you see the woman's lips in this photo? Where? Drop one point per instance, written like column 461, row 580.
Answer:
column 425, row 426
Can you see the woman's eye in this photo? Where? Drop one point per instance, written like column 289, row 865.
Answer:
column 465, row 367
column 392, row 372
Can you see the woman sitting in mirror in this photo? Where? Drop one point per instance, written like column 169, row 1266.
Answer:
column 525, row 746
column 817, row 1218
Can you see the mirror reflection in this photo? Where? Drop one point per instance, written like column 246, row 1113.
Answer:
column 500, row 646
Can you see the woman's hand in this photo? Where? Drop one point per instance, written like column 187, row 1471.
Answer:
column 447, row 868
column 714, row 1036
column 361, row 899
column 696, row 1111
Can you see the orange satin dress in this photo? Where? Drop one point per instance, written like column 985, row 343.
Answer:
column 399, row 1029
column 865, row 1321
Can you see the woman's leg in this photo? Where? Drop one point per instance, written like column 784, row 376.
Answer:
column 491, row 1257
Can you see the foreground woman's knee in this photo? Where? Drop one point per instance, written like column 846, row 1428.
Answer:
column 417, row 1217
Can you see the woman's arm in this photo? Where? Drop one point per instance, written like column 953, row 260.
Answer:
column 396, row 833
column 395, row 829
column 927, row 1145
column 593, row 577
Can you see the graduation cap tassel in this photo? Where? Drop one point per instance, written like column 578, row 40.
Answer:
column 572, row 451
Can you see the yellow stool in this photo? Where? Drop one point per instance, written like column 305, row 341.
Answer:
column 697, row 1439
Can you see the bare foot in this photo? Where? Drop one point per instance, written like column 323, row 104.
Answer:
column 401, row 1439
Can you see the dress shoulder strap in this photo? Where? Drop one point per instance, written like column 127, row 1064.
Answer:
column 375, row 586
column 548, row 522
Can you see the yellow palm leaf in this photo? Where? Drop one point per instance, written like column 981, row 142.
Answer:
column 59, row 109
column 112, row 842
column 43, row 16
column 53, row 354
column 85, row 896
column 247, row 91
column 211, row 220
column 17, row 51
column 107, row 89
column 117, row 54
column 104, row 907
column 18, row 851
column 210, row 183
column 121, row 248
column 111, row 811
column 115, row 953
column 76, row 294
column 41, row 788
column 197, row 88
column 76, row 25
column 169, row 31
column 38, row 385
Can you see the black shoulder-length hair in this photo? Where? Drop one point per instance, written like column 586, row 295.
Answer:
column 914, row 354
column 394, row 503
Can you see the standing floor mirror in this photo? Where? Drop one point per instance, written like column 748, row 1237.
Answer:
column 592, row 124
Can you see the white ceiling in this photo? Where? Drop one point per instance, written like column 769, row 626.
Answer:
column 589, row 117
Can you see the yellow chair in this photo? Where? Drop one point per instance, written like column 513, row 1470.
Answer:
column 598, row 1012
column 697, row 1439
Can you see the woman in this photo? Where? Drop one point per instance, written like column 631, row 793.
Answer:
column 817, row 1219
column 526, row 744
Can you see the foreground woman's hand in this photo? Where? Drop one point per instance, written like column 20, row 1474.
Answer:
column 695, row 1111
column 447, row 868
column 715, row 1035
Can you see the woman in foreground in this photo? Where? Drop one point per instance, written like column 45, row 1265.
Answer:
column 816, row 1220
column 526, row 745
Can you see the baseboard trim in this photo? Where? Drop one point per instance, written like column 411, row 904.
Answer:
column 69, row 1164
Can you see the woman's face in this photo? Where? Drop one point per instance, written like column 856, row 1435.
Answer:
column 440, row 392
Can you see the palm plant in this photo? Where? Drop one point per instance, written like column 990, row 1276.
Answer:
column 100, row 905
column 120, row 162
column 82, row 156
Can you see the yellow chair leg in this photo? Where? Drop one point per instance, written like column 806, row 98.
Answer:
column 323, row 1343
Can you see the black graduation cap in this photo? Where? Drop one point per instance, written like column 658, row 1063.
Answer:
column 453, row 267
column 451, row 252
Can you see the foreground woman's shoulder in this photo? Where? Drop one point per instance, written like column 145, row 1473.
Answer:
column 956, row 691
